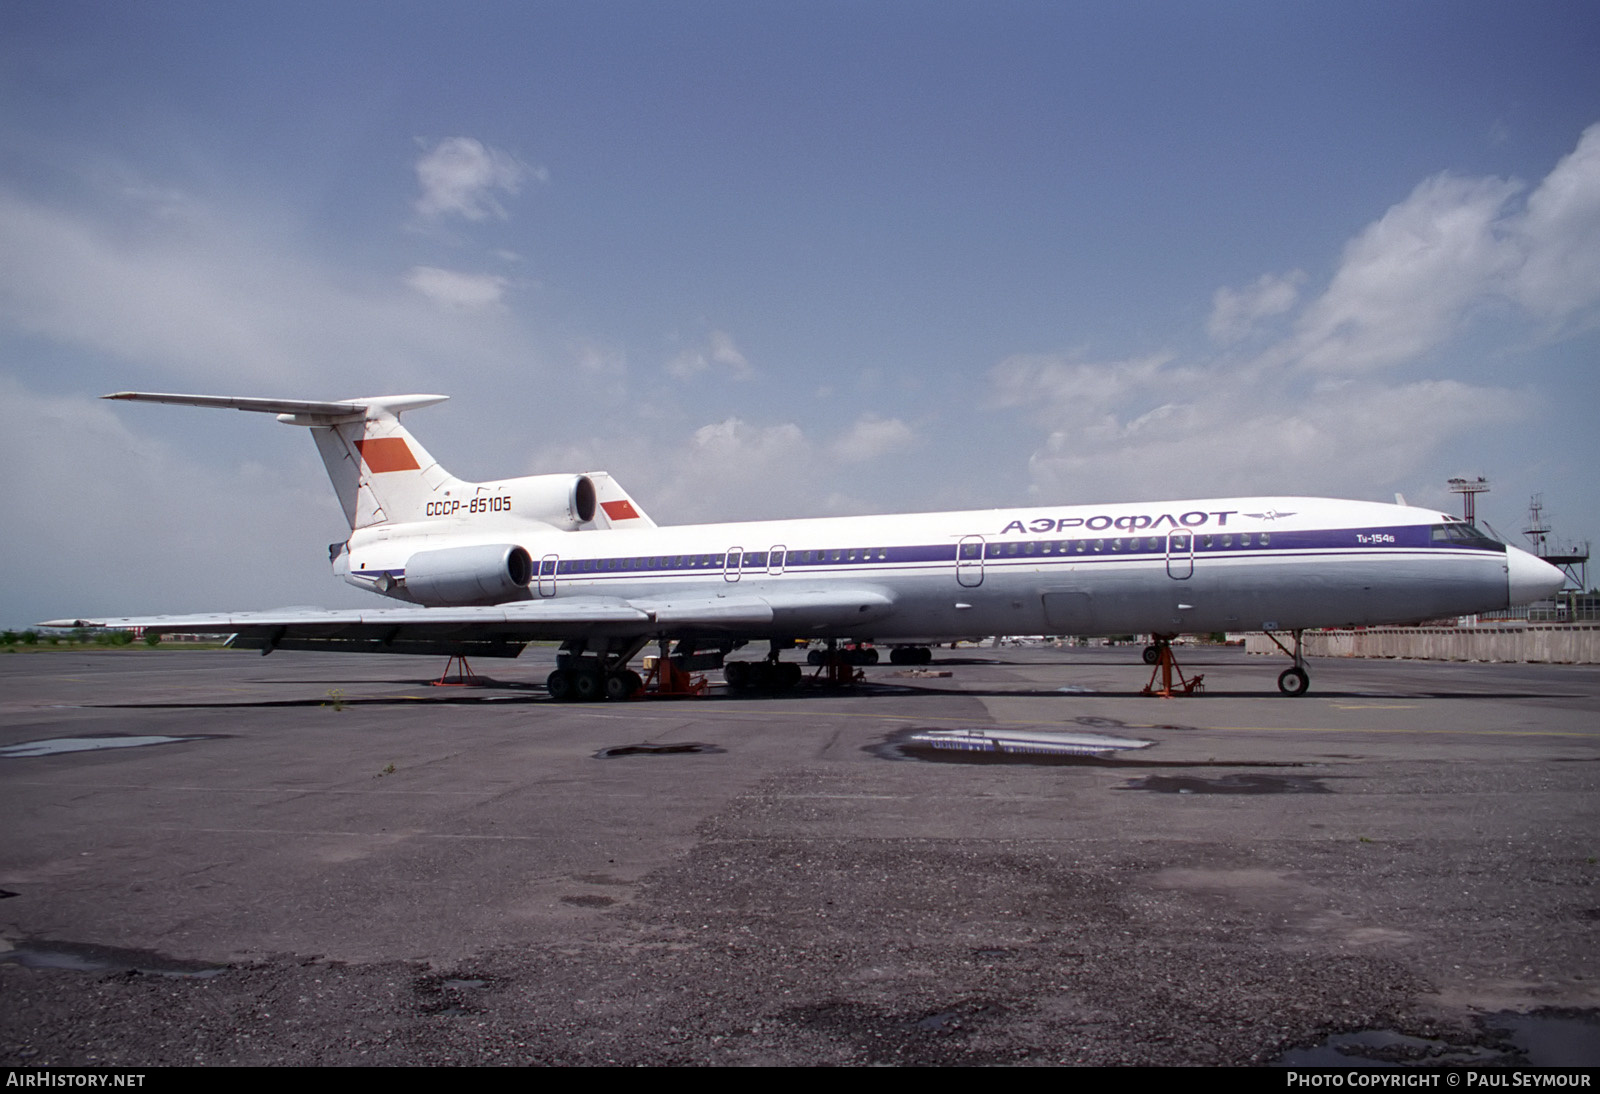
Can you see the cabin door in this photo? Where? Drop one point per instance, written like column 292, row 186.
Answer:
column 969, row 561
column 1180, row 555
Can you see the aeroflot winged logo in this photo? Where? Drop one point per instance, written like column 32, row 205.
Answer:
column 387, row 454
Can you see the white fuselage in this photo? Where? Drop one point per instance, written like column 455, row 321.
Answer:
column 1156, row 567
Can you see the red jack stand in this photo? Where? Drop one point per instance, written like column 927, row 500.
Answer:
column 465, row 677
column 836, row 672
column 664, row 678
column 1166, row 665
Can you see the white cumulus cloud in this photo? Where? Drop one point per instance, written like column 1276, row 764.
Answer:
column 461, row 176
column 1558, row 238
column 1407, row 282
column 718, row 350
column 870, row 437
column 1319, row 409
column 1236, row 313
column 453, row 289
column 1455, row 251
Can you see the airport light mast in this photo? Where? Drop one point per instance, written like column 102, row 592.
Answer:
column 1469, row 489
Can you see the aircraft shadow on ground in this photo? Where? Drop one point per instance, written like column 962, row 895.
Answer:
column 527, row 692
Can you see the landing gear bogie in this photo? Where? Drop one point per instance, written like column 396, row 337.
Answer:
column 587, row 685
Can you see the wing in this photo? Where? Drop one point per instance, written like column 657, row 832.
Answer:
column 504, row 629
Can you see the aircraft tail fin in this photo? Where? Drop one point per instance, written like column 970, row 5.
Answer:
column 380, row 472
column 614, row 508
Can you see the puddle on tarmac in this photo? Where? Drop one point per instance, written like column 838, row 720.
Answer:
column 1543, row 1038
column 990, row 745
column 1552, row 1038
column 83, row 957
column 56, row 746
column 1229, row 784
column 451, row 996
column 687, row 747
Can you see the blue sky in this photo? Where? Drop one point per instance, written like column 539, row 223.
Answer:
column 785, row 259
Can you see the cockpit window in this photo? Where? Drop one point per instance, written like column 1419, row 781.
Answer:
column 1462, row 534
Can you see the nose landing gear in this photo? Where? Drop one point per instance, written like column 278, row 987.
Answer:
column 1294, row 680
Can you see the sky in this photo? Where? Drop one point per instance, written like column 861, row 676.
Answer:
column 789, row 259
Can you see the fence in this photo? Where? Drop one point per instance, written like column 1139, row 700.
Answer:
column 1564, row 643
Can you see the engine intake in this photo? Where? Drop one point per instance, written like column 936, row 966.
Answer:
column 485, row 574
column 565, row 501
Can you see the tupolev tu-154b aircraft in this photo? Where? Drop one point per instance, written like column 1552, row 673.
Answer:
column 485, row 568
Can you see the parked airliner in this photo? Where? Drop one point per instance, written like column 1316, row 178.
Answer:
column 487, row 567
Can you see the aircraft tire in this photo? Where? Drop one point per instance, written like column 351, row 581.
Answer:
column 1152, row 654
column 1294, row 681
column 869, row 657
column 737, row 674
column 903, row 655
column 924, row 655
column 789, row 675
column 559, row 685
column 588, row 685
column 622, row 685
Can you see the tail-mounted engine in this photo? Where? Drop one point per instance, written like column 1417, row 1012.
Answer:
column 565, row 501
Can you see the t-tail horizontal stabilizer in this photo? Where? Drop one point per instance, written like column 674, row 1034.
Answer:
column 383, row 475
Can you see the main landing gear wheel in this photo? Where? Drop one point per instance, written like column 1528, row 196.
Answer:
column 623, row 685
column 1293, row 681
column 559, row 685
column 1152, row 654
column 587, row 686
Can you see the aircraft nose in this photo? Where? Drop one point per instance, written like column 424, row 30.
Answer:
column 1530, row 578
